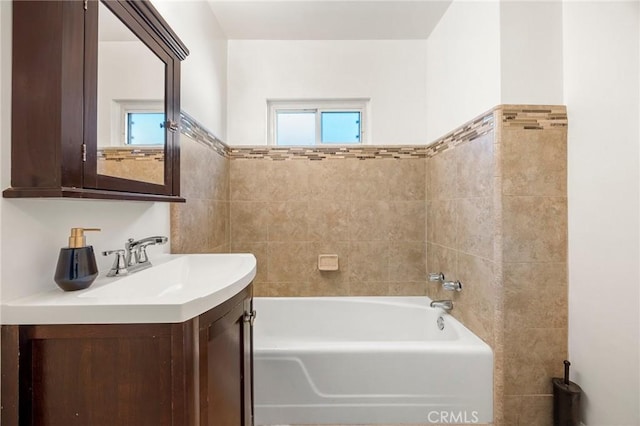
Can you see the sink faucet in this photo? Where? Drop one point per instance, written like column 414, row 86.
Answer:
column 134, row 256
column 447, row 305
column 136, row 251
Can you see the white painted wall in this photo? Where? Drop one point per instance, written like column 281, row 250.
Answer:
column 586, row 55
column 531, row 52
column 35, row 230
column 463, row 65
column 390, row 73
column 601, row 90
column 204, row 72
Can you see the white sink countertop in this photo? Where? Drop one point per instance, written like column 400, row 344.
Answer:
column 175, row 289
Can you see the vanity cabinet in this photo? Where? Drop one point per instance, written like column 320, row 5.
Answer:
column 60, row 104
column 198, row 372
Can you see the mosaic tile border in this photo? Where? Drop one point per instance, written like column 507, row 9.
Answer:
column 136, row 154
column 527, row 117
column 327, row 153
column 467, row 132
column 533, row 117
column 190, row 127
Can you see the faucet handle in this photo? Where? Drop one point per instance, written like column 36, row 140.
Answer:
column 142, row 253
column 436, row 276
column 119, row 252
column 119, row 266
column 452, row 286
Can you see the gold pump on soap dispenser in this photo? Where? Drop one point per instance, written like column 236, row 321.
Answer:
column 77, row 267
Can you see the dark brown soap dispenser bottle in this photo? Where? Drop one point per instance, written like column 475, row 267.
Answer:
column 77, row 267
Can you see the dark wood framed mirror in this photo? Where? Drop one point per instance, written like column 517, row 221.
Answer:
column 73, row 132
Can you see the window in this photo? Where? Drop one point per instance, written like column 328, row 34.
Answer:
column 318, row 122
column 138, row 122
column 145, row 128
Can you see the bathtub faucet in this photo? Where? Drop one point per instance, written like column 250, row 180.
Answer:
column 446, row 305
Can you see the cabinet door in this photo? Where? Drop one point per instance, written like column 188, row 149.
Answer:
column 96, row 374
column 225, row 369
column 150, row 89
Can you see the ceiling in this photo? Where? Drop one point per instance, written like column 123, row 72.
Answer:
column 328, row 19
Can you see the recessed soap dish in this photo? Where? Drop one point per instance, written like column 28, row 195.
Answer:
column 328, row 262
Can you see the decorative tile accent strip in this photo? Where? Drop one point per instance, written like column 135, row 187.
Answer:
column 527, row 117
column 530, row 117
column 190, row 127
column 361, row 152
column 126, row 153
column 467, row 132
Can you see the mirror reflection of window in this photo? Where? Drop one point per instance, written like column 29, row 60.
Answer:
column 145, row 128
column 131, row 115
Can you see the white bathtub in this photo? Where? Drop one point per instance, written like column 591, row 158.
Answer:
column 367, row 360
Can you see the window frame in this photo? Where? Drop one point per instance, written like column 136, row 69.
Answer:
column 317, row 106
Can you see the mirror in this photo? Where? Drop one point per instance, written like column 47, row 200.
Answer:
column 131, row 103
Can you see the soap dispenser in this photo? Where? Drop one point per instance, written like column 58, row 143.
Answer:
column 77, row 267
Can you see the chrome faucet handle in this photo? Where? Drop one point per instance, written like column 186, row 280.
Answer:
column 131, row 249
column 452, row 286
column 141, row 247
column 119, row 267
column 142, row 253
column 436, row 276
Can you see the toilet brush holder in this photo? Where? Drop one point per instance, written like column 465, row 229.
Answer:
column 566, row 400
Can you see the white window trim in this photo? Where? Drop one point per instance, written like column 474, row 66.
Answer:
column 318, row 106
column 120, row 109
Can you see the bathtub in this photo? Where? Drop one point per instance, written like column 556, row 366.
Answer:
column 367, row 360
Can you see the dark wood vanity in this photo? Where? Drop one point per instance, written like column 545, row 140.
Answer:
column 198, row 372
column 55, row 97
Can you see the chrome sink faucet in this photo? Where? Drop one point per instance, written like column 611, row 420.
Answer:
column 136, row 251
column 134, row 256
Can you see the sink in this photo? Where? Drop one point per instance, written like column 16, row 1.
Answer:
column 175, row 289
column 186, row 276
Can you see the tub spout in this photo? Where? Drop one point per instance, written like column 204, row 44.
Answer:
column 446, row 305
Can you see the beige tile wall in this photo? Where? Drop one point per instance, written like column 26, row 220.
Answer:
column 143, row 169
column 496, row 221
column 461, row 237
column 461, row 228
column 490, row 212
column 534, row 203
column 201, row 225
column 370, row 212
